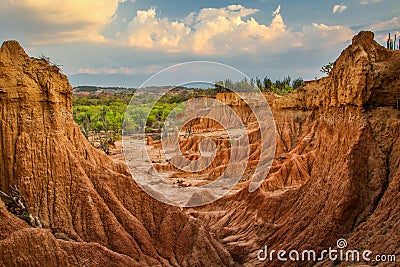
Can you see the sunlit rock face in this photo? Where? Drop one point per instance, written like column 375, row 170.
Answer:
column 91, row 210
column 335, row 175
column 336, row 168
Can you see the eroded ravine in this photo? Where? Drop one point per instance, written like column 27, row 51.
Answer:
column 335, row 175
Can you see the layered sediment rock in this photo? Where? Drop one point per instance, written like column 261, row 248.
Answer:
column 336, row 175
column 91, row 210
column 365, row 75
column 336, row 172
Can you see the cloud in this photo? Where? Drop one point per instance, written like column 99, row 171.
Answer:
column 209, row 31
column 225, row 31
column 232, row 12
column 386, row 25
column 58, row 20
column 320, row 35
column 277, row 11
column 121, row 70
column 339, row 8
column 218, row 32
column 148, row 31
column 366, row 2
column 382, row 28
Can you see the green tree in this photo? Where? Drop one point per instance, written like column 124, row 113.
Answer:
column 259, row 84
column 327, row 68
column 267, row 84
column 297, row 83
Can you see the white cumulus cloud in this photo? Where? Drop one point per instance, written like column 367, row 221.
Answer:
column 209, row 31
column 59, row 20
column 277, row 11
column 339, row 8
column 148, row 31
column 225, row 31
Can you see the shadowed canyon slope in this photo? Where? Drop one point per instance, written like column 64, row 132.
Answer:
column 336, row 174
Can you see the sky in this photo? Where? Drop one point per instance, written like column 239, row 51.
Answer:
column 124, row 42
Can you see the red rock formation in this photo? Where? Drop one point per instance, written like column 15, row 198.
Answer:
column 92, row 212
column 336, row 174
column 365, row 75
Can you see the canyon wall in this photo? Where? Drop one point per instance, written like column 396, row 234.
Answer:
column 335, row 175
column 336, row 171
column 91, row 211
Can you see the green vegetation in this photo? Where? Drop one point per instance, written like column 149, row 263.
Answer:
column 93, row 89
column 327, row 68
column 280, row 87
column 101, row 115
column 240, row 86
column 144, row 117
column 16, row 204
column 100, row 118
column 55, row 67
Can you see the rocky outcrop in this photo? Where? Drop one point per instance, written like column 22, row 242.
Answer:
column 91, row 210
column 336, row 171
column 365, row 75
column 336, row 174
column 295, row 148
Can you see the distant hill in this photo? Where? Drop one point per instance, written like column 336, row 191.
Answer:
column 87, row 89
column 97, row 90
